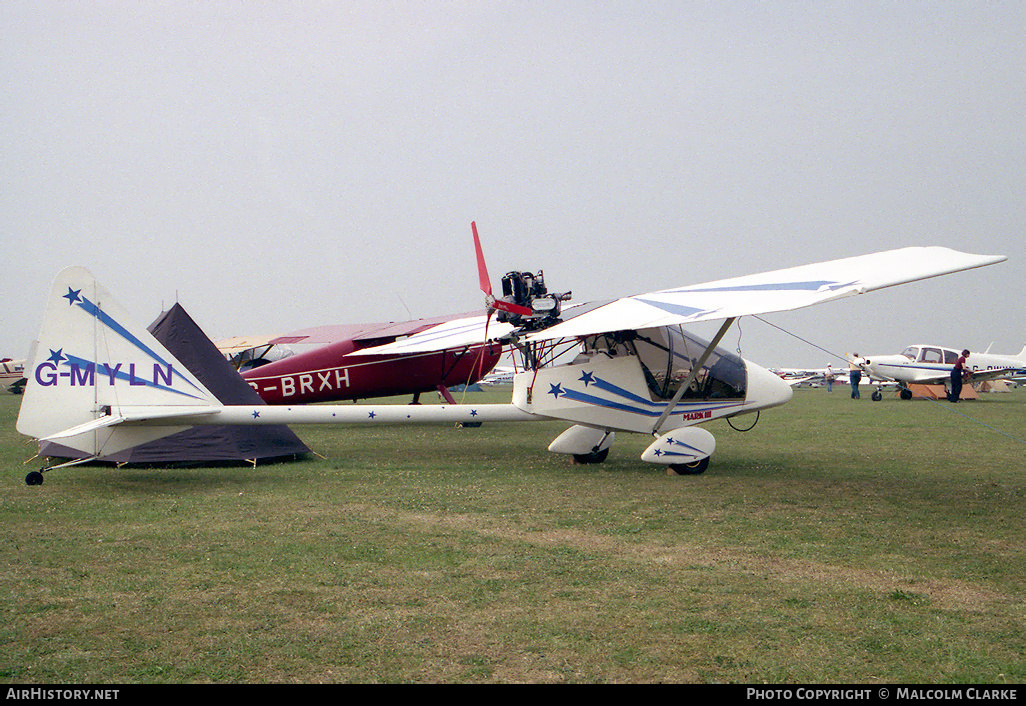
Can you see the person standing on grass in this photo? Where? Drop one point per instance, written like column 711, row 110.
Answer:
column 959, row 374
column 855, row 374
column 830, row 378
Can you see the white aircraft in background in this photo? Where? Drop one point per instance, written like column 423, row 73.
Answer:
column 500, row 375
column 100, row 383
column 815, row 377
column 12, row 375
column 932, row 365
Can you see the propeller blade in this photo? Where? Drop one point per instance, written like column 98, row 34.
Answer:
column 482, row 271
column 486, row 283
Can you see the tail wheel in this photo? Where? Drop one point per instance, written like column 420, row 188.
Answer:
column 690, row 469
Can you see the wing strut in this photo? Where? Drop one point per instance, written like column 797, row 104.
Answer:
column 694, row 373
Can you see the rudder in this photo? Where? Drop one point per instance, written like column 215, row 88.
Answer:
column 94, row 368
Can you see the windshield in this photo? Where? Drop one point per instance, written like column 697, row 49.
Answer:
column 668, row 355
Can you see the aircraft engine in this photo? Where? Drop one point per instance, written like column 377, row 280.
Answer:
column 528, row 290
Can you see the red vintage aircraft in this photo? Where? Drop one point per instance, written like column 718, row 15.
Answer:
column 338, row 370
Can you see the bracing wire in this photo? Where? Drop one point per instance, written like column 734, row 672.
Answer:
column 803, row 340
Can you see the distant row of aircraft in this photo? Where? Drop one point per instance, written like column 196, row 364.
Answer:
column 916, row 365
column 100, row 383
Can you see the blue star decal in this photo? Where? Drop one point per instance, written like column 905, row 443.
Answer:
column 72, row 296
column 473, row 413
column 555, row 390
column 56, row 356
column 372, row 415
column 587, row 379
column 256, row 414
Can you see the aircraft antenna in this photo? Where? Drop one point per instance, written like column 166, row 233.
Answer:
column 408, row 312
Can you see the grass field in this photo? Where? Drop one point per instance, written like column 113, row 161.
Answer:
column 838, row 541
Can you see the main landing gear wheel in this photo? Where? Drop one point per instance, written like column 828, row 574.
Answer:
column 690, row 469
column 34, row 478
column 593, row 457
column 906, row 394
column 877, row 395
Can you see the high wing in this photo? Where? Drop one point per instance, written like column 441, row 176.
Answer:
column 439, row 328
column 779, row 290
column 238, row 344
column 471, row 330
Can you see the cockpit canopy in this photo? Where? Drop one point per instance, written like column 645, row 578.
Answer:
column 930, row 354
column 667, row 356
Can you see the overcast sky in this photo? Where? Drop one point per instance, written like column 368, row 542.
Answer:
column 277, row 165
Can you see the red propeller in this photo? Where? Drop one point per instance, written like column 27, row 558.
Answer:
column 486, row 284
column 491, row 302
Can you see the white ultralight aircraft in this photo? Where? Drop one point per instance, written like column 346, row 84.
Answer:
column 932, row 365
column 100, row 383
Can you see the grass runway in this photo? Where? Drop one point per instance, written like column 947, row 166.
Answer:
column 838, row 541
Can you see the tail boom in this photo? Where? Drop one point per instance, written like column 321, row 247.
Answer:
column 348, row 414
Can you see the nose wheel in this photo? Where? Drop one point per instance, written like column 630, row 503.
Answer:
column 690, row 469
column 593, row 457
column 34, row 478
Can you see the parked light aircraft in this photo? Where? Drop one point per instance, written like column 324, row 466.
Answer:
column 12, row 374
column 932, row 365
column 341, row 367
column 337, row 368
column 107, row 385
column 796, row 377
column 817, row 377
column 500, row 375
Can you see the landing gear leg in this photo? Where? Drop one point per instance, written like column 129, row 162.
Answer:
column 36, row 477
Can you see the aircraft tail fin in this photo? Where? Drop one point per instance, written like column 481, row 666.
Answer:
column 94, row 370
